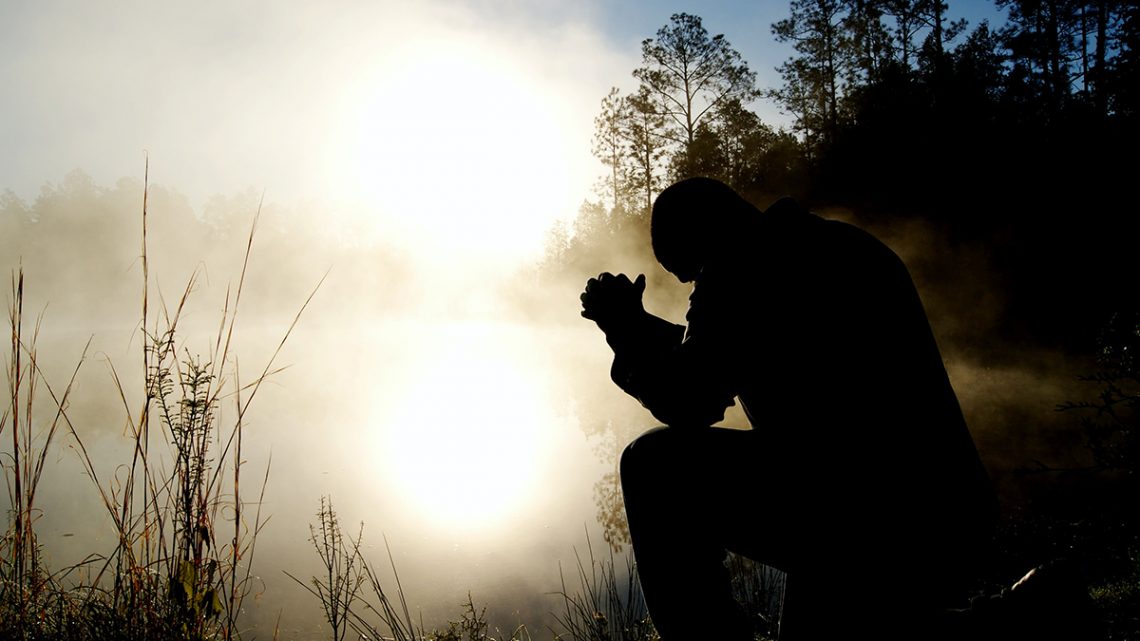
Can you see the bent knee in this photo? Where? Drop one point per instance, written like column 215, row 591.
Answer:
column 650, row 450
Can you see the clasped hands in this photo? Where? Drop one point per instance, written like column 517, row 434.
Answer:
column 611, row 300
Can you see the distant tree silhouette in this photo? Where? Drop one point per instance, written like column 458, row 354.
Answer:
column 907, row 15
column 814, row 81
column 629, row 140
column 1043, row 47
column 898, row 111
column 1119, row 79
column 688, row 115
column 611, row 145
column 870, row 39
column 738, row 148
column 647, row 147
column 688, row 75
column 933, row 13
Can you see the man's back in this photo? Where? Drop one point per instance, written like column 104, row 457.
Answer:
column 858, row 456
column 840, row 371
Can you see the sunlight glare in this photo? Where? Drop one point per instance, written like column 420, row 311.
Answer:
column 464, row 447
column 462, row 148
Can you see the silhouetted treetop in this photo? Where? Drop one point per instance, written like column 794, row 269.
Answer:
column 688, row 74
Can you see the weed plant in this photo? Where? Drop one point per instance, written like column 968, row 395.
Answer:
column 185, row 534
column 760, row 590
column 354, row 598
column 31, row 600
column 607, row 605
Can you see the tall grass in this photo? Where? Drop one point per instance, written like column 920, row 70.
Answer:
column 760, row 590
column 354, row 598
column 185, row 529
column 29, row 592
column 186, row 534
column 606, row 605
column 602, row 601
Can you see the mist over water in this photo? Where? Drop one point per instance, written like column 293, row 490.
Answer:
column 418, row 401
column 438, row 387
column 461, row 410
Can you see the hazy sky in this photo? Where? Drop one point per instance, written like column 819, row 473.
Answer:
column 437, row 126
column 439, row 112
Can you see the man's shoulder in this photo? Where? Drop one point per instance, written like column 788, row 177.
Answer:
column 796, row 245
column 833, row 233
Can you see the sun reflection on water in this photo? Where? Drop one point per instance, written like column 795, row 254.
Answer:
column 465, row 440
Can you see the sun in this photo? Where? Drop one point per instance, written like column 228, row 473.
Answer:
column 464, row 444
column 462, row 148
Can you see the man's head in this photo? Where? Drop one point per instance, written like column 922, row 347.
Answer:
column 691, row 221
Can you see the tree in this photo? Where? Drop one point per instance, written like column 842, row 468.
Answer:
column 908, row 23
column 14, row 216
column 813, row 81
column 1114, row 72
column 870, row 39
column 686, row 74
column 556, row 247
column 1125, row 81
column 934, row 12
column 732, row 147
column 1043, row 42
column 611, row 144
column 981, row 61
column 647, row 146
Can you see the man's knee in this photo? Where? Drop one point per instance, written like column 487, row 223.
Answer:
column 650, row 452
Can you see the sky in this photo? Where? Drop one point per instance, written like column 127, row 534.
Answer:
column 451, row 134
column 414, row 109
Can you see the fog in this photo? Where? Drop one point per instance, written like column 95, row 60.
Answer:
column 463, row 414
column 438, row 387
column 416, row 154
column 423, row 405
column 294, row 99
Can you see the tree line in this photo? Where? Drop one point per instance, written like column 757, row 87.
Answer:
column 1019, row 134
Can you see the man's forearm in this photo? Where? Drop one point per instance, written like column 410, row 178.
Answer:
column 642, row 334
column 639, row 343
column 649, row 365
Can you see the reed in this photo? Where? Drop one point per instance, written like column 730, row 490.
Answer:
column 353, row 597
column 607, row 605
column 186, row 531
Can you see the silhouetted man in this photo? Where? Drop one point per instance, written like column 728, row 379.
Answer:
column 858, row 478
